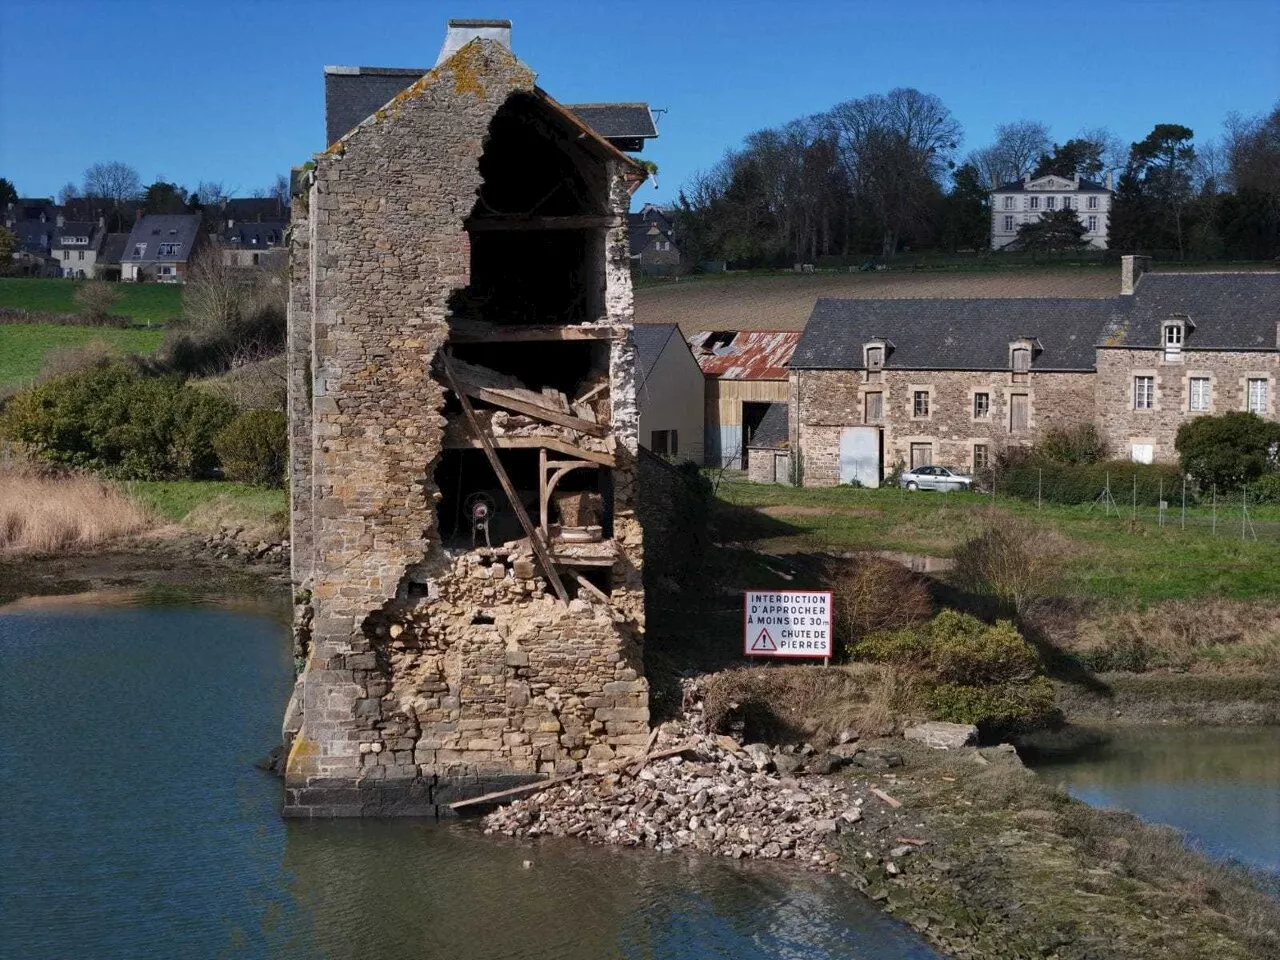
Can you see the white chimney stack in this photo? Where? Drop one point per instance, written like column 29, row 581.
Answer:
column 462, row 32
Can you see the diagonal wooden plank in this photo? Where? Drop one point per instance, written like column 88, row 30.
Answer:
column 501, row 398
column 530, row 531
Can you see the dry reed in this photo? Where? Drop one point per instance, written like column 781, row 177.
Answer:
column 40, row 512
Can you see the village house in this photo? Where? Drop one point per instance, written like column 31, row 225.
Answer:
column 669, row 391
column 1026, row 200
column 653, row 251
column 769, row 450
column 76, row 245
column 463, row 440
column 160, row 247
column 884, row 384
column 745, row 371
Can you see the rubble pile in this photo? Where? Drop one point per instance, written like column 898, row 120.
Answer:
column 713, row 796
column 229, row 544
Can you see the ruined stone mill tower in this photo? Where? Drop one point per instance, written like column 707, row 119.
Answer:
column 463, row 429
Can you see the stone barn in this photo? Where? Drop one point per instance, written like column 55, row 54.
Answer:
column 463, row 444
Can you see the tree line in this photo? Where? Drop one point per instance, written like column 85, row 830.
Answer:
column 115, row 191
column 883, row 173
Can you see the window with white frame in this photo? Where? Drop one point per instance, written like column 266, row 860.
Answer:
column 139, row 251
column 1092, row 224
column 1198, row 394
column 171, row 249
column 1008, row 224
column 1051, row 203
column 1144, row 393
column 1008, row 203
column 1172, row 341
column 980, row 456
column 1035, row 203
column 1092, row 203
column 1258, row 396
column 981, row 406
column 920, row 404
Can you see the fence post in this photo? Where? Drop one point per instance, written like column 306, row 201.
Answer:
column 1215, row 511
column 1039, row 485
column 1244, row 510
column 1160, row 505
column 1184, row 502
column 1135, row 498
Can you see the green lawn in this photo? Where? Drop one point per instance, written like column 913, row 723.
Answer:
column 23, row 346
column 145, row 303
column 1104, row 556
column 175, row 499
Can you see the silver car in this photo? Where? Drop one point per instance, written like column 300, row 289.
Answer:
column 935, row 478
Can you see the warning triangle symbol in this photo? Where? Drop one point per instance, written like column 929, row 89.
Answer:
column 764, row 641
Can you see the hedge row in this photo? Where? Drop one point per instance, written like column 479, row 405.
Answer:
column 1084, row 483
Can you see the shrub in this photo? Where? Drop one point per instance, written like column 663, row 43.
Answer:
column 1080, row 444
column 872, row 595
column 115, row 419
column 1014, row 562
column 253, row 448
column 966, row 671
column 96, row 298
column 1266, row 489
column 1228, row 450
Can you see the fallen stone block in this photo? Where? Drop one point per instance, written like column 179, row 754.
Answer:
column 942, row 736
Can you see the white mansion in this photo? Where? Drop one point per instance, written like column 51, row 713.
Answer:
column 1023, row 201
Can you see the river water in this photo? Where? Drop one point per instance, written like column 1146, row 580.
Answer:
column 133, row 824
column 1220, row 786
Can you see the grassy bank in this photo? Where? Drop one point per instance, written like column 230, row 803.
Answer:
column 144, row 303
column 1014, row 868
column 1104, row 556
column 25, row 347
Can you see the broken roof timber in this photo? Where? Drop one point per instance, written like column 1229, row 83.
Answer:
column 744, row 354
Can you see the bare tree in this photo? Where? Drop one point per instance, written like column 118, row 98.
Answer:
column 68, row 193
column 280, row 189
column 116, row 184
column 894, row 149
column 211, row 193
column 1018, row 146
column 1112, row 152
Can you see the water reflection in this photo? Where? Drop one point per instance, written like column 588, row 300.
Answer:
column 135, row 825
column 1219, row 786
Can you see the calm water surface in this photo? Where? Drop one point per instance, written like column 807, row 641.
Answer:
column 1219, row 786
column 134, row 825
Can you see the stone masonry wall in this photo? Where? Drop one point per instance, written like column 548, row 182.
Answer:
column 828, row 400
column 430, row 677
column 1228, row 373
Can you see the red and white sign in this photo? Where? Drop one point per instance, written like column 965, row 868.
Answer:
column 787, row 623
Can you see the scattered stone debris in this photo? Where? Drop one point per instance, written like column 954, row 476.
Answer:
column 942, row 736
column 228, row 544
column 719, row 797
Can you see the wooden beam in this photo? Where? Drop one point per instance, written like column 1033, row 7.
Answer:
column 554, row 464
column 543, row 496
column 502, row 399
column 478, row 428
column 535, row 787
column 474, row 332
column 595, row 591
column 582, row 221
column 533, row 443
column 567, row 561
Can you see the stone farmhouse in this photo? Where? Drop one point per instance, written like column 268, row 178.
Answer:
column 877, row 384
column 1026, row 200
column 464, row 442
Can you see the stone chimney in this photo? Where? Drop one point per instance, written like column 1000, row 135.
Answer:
column 1075, row 182
column 1108, row 181
column 1131, row 268
column 461, row 32
column 995, row 181
column 60, row 222
column 1026, row 179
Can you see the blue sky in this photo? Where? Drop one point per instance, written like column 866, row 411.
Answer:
column 233, row 90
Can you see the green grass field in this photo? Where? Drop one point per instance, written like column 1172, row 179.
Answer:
column 24, row 346
column 145, row 303
column 1104, row 556
column 175, row 499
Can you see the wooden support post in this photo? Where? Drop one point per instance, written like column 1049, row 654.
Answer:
column 543, row 494
column 530, row 531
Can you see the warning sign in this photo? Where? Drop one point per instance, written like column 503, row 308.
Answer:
column 787, row 623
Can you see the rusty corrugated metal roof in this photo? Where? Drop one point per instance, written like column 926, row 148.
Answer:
column 744, row 354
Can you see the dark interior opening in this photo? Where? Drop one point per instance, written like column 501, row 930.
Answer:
column 534, row 166
column 752, row 414
column 465, row 479
column 573, row 367
column 599, row 577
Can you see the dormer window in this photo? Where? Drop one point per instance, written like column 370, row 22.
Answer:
column 875, row 358
column 874, row 353
column 1173, row 341
column 1020, row 362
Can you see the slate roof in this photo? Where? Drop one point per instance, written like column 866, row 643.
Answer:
column 353, row 93
column 1229, row 311
column 1019, row 186
column 650, row 342
column 256, row 234
column 772, row 433
column 939, row 334
column 77, row 228
column 623, row 121
column 157, row 228
column 254, row 208
column 744, row 354
column 34, row 236
column 113, row 245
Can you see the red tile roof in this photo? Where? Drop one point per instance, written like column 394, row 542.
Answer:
column 744, row 354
